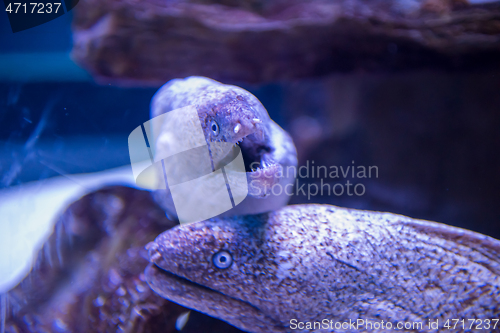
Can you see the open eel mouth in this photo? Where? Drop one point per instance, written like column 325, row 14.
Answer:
column 262, row 170
column 211, row 302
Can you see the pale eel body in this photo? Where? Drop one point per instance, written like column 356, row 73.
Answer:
column 318, row 262
column 233, row 115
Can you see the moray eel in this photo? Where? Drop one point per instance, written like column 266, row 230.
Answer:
column 230, row 114
column 277, row 271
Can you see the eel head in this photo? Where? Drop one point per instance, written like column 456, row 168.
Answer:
column 240, row 120
column 217, row 268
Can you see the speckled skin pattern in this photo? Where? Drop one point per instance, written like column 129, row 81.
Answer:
column 261, row 140
column 311, row 262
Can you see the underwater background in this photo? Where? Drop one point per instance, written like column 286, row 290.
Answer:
column 431, row 131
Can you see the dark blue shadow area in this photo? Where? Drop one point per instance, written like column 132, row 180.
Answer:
column 71, row 109
column 56, row 128
column 53, row 36
column 47, row 129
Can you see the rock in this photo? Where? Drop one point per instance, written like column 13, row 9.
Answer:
column 150, row 42
column 89, row 275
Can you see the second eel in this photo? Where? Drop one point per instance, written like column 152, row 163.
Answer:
column 279, row 271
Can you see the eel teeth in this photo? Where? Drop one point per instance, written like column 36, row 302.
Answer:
column 237, row 128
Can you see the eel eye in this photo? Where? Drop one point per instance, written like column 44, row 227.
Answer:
column 222, row 259
column 214, row 127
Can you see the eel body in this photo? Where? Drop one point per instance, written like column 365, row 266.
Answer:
column 229, row 116
column 311, row 263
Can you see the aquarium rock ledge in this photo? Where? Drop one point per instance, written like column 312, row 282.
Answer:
column 150, row 42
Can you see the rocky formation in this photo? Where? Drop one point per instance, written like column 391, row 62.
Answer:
column 89, row 275
column 150, row 42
